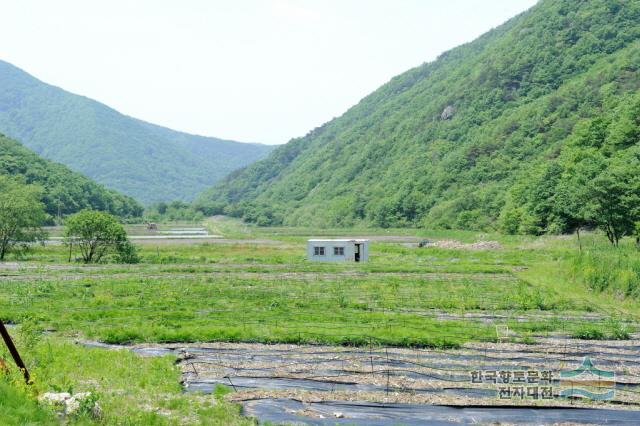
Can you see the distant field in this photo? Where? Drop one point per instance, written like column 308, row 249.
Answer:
column 141, row 229
column 248, row 291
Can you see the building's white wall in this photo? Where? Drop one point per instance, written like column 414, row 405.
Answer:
column 328, row 251
column 364, row 251
column 349, row 251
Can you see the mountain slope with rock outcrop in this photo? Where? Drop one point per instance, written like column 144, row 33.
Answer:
column 467, row 141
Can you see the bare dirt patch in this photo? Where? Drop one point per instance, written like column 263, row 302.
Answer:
column 454, row 244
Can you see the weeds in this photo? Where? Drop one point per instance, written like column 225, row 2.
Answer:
column 605, row 268
column 611, row 329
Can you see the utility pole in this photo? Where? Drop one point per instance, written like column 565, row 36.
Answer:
column 14, row 351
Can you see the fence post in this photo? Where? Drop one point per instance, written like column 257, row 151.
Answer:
column 386, row 350
column 371, row 354
column 14, row 351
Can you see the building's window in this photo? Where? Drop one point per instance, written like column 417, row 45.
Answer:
column 338, row 251
column 318, row 251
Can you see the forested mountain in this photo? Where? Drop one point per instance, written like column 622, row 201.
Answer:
column 65, row 191
column 503, row 132
column 148, row 162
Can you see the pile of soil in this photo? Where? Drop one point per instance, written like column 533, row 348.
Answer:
column 453, row 244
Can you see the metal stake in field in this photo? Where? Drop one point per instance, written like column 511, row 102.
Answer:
column 14, row 351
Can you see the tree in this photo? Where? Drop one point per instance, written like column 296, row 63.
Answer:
column 21, row 215
column 97, row 234
column 614, row 202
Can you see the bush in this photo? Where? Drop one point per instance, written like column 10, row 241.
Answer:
column 126, row 252
column 618, row 330
column 612, row 329
column 588, row 332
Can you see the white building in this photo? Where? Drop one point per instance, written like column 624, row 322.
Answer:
column 338, row 250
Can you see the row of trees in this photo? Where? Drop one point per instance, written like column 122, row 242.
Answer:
column 173, row 211
column 592, row 182
column 95, row 234
column 555, row 202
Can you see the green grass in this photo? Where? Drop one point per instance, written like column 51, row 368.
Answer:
column 131, row 390
column 18, row 408
column 267, row 309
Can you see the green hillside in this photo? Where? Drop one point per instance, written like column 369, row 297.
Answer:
column 489, row 135
column 148, row 162
column 65, row 191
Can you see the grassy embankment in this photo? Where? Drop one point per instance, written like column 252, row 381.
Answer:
column 131, row 390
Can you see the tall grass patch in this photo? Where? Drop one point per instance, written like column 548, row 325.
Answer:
column 608, row 269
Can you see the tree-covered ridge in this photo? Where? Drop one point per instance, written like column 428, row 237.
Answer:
column 64, row 191
column 149, row 162
column 444, row 143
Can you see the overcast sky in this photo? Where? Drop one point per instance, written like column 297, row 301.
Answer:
column 248, row 70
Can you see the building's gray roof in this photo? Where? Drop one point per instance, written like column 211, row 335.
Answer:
column 338, row 240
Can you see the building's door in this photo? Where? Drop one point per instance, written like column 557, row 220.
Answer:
column 357, row 253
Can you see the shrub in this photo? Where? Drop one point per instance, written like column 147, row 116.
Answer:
column 589, row 333
column 618, row 330
column 126, row 252
column 96, row 234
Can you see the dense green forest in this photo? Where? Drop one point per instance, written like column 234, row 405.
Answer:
column 522, row 130
column 172, row 211
column 65, row 191
column 148, row 162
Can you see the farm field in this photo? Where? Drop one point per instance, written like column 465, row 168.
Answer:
column 450, row 307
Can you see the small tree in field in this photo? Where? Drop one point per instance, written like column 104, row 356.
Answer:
column 21, row 215
column 615, row 202
column 96, row 234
